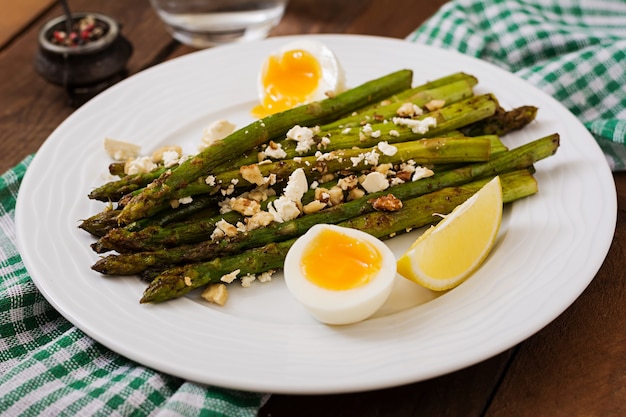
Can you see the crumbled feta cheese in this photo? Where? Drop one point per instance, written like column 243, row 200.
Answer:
column 226, row 228
column 346, row 130
column 324, row 142
column 215, row 132
column 356, row 160
column 270, row 179
column 183, row 159
column 210, row 180
column 417, row 126
column 394, row 133
column 304, row 137
column 408, row 166
column 185, row 200
column 266, row 276
column 283, row 209
column 371, row 157
column 170, row 158
column 368, row 131
column 121, row 150
column 166, row 154
column 348, row 183
column 247, row 280
column 328, row 156
column 297, row 185
column 387, row 149
column 230, row 277
column 225, row 206
column 241, row 227
column 140, row 165
column 229, row 190
column 421, row 172
column 374, row 182
column 275, row 151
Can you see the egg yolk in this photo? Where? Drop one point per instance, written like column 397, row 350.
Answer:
column 288, row 80
column 336, row 261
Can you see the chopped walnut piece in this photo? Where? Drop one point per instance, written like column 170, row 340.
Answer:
column 245, row 206
column 355, row 194
column 327, row 177
column 321, row 194
column 434, row 104
column 409, row 110
column 252, row 174
column 121, row 150
column 260, row 219
column 313, row 207
column 404, row 175
column 388, row 202
column 335, row 195
column 215, row 293
column 384, row 169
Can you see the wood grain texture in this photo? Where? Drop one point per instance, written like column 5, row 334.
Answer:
column 16, row 16
column 32, row 108
column 576, row 366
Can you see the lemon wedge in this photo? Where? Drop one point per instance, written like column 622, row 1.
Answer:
column 446, row 254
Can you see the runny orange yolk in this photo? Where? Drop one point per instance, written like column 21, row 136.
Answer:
column 288, row 81
column 336, row 261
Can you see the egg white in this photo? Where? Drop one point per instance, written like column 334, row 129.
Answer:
column 346, row 306
column 333, row 75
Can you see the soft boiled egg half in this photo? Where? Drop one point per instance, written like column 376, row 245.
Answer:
column 300, row 72
column 340, row 275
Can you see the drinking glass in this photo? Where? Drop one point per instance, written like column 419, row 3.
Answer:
column 206, row 23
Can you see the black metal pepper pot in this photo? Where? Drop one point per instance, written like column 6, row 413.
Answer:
column 85, row 61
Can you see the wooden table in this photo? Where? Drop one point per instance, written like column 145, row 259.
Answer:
column 574, row 366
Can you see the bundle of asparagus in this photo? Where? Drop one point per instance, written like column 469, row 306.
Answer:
column 382, row 157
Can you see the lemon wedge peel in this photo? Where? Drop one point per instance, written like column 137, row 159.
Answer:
column 448, row 253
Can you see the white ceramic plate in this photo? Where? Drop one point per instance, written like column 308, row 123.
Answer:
column 549, row 248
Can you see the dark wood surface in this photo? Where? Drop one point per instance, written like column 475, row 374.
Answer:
column 575, row 366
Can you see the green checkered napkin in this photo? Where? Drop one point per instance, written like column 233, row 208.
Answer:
column 50, row 368
column 574, row 50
